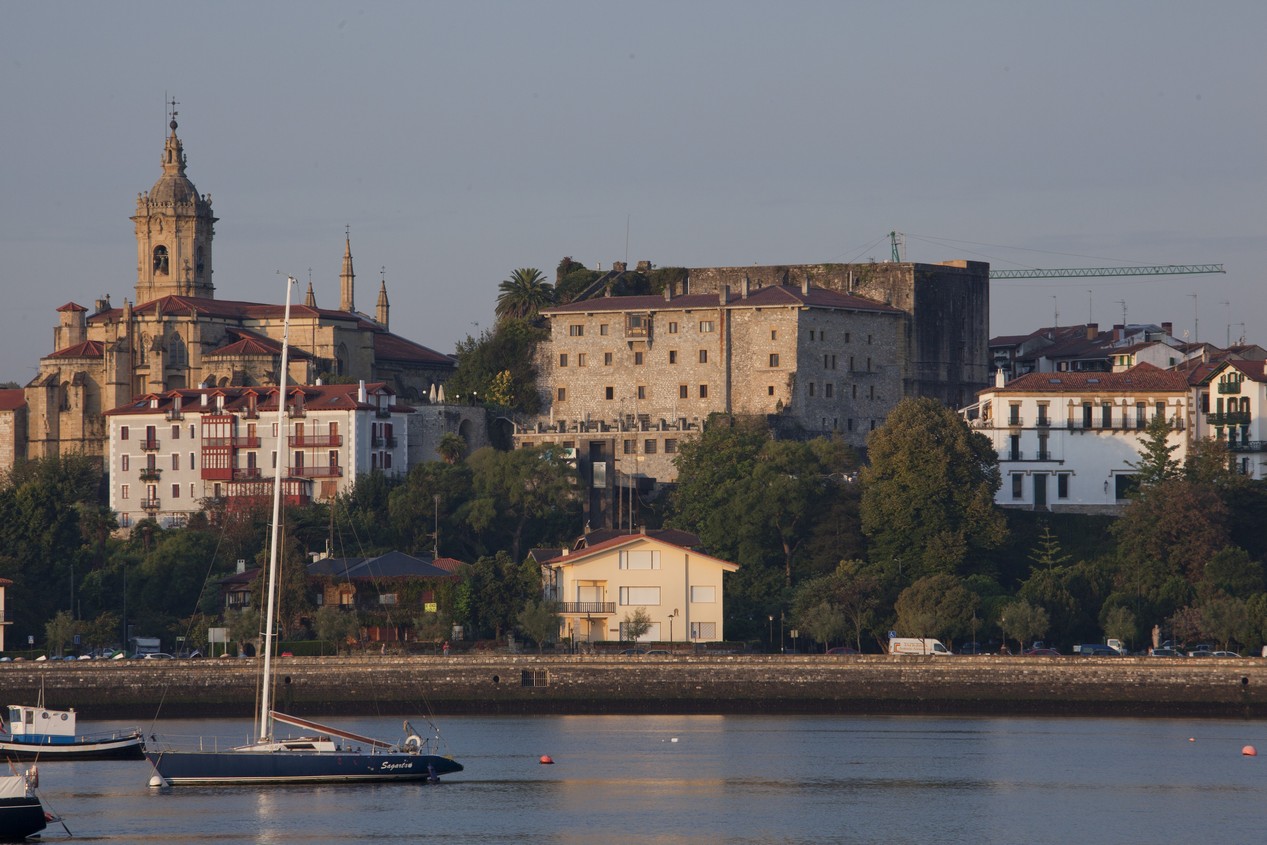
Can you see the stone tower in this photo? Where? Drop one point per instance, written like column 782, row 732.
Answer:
column 174, row 228
column 347, row 278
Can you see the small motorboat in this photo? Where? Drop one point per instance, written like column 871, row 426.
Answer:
column 21, row 813
column 40, row 734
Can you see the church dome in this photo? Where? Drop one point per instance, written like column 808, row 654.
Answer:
column 173, row 186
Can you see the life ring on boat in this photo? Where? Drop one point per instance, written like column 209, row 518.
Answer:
column 33, row 777
column 413, row 743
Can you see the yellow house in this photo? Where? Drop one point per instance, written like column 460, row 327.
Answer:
column 600, row 586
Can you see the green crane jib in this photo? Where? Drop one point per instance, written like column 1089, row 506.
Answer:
column 1075, row 272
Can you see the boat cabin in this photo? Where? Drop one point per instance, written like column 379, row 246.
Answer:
column 41, row 725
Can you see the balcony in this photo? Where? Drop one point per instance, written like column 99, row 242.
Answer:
column 1247, row 446
column 246, row 443
column 1231, row 418
column 1014, row 455
column 149, row 504
column 150, row 445
column 174, row 415
column 381, row 442
column 246, row 474
column 1015, row 421
column 315, row 472
column 315, row 441
column 1043, row 422
column 1232, row 388
column 1043, row 456
column 151, row 473
column 588, row 608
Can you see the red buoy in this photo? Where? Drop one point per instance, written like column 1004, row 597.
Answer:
column 546, row 761
column 1249, row 751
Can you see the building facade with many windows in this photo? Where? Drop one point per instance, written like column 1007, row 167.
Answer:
column 170, row 454
column 1069, row 441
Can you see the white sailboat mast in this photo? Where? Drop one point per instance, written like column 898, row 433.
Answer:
column 265, row 723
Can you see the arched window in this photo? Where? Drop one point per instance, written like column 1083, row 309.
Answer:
column 177, row 355
column 341, row 360
column 199, row 265
column 160, row 260
column 63, row 397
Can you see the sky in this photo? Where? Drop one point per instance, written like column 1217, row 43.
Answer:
column 460, row 141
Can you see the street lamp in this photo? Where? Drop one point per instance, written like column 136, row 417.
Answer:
column 671, row 616
column 770, row 639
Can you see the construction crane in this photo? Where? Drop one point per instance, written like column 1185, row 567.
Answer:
column 1076, row 272
column 898, row 242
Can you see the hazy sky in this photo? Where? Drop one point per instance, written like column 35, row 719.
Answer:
column 462, row 140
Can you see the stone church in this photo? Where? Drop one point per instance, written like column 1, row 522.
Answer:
column 176, row 334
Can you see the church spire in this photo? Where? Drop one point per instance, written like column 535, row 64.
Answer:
column 383, row 306
column 310, row 299
column 347, row 279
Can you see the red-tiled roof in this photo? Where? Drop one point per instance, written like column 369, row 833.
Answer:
column 72, row 306
column 766, row 297
column 1141, row 377
column 617, row 542
column 12, row 398
column 323, row 397
column 391, row 347
column 87, row 349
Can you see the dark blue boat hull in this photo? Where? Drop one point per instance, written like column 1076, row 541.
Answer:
column 20, row 818
column 127, row 747
column 244, row 767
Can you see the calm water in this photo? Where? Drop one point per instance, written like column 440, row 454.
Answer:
column 732, row 779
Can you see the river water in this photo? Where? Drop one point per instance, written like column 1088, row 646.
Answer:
column 647, row 780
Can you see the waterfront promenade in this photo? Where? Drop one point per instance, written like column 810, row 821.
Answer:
column 521, row 683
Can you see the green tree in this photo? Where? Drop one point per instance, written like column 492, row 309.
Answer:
column 1231, row 571
column 1120, row 623
column 852, row 593
column 483, row 362
column 244, row 627
column 1225, row 619
column 539, row 620
column 823, row 621
column 1171, row 528
column 452, row 448
column 1156, row 462
column 936, row 606
column 1023, row 621
column 497, row 589
column 523, row 495
column 58, row 633
column 636, row 625
column 928, row 493
column 336, row 625
column 523, row 294
column 415, row 512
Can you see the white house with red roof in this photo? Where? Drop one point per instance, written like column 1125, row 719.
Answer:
column 599, row 587
column 1069, row 441
column 1231, row 398
column 170, row 453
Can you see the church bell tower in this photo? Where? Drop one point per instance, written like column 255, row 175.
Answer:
column 174, row 228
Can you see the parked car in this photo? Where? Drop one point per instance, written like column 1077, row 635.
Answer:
column 1041, row 652
column 1201, row 651
column 842, row 649
column 158, row 655
column 1096, row 650
column 634, row 651
column 1165, row 651
column 1225, row 654
column 973, row 648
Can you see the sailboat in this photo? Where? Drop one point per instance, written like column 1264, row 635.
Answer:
column 21, row 813
column 323, row 753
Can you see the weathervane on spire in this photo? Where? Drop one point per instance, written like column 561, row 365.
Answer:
column 172, row 112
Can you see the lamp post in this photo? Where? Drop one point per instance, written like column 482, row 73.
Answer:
column 435, row 549
column 671, row 617
column 770, row 639
column 782, row 640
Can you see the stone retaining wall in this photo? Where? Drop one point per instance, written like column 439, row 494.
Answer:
column 724, row 684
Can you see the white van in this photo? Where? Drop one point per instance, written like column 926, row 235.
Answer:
column 917, row 645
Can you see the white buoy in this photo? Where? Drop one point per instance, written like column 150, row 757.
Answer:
column 157, row 782
column 673, row 740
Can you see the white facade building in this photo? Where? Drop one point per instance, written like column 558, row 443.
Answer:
column 1069, row 441
column 1232, row 398
column 168, row 453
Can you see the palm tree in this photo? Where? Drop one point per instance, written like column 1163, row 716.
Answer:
column 523, row 294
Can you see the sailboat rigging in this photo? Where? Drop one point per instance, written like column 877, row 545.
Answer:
column 326, row 754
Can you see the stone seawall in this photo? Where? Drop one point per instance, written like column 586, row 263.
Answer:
column 725, row 684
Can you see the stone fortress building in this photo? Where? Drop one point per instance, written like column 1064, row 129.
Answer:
column 816, row 349
column 176, row 334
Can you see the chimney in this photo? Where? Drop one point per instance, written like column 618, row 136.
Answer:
column 743, row 291
column 1000, row 378
column 203, row 400
column 241, row 565
column 619, row 266
column 805, row 285
column 723, row 294
column 668, row 292
column 1168, row 329
column 1093, row 331
column 361, row 395
column 1119, row 331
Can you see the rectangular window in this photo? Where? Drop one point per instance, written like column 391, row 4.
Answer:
column 175, row 491
column 1062, row 485
column 123, row 463
column 562, row 394
column 609, row 393
column 774, row 334
column 703, row 356
column 627, row 446
column 828, row 389
column 640, row 559
column 563, row 359
column 670, row 446
column 607, row 359
column 386, row 598
column 580, row 359
column 123, row 492
column 637, row 359
column 703, row 391
column 672, row 327
column 192, row 493
column 811, row 388
column 644, row 596
column 648, row 446
column 123, row 432
column 602, row 329
column 642, row 391
column 576, row 330
column 703, row 630
column 774, row 359
column 703, row 595
column 1141, row 415
column 672, row 356
column 192, row 465
column 683, row 392
column 175, row 460
column 705, row 326
column 847, row 337
column 1018, row 485
column 1160, row 409
column 175, row 432
column 1106, row 415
